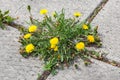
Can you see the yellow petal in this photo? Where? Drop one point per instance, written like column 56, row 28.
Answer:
column 56, row 48
column 43, row 11
column 29, row 48
column 77, row 14
column 32, row 28
column 26, row 36
column 90, row 38
column 52, row 46
column 80, row 46
column 85, row 26
column 54, row 41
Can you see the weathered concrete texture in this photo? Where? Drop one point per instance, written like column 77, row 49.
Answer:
column 96, row 71
column 12, row 65
column 108, row 21
column 18, row 8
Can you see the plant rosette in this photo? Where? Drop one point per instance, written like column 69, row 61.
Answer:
column 5, row 19
column 58, row 40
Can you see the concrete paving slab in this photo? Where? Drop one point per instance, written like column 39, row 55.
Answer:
column 18, row 8
column 96, row 71
column 12, row 65
column 108, row 21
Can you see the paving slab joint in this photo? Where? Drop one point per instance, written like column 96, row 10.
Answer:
column 96, row 11
column 107, row 60
column 17, row 26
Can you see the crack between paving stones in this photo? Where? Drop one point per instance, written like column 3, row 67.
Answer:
column 44, row 75
column 17, row 26
column 89, row 19
column 103, row 58
column 100, row 6
column 109, row 61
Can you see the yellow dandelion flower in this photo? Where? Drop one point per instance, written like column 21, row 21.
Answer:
column 26, row 36
column 43, row 11
column 29, row 48
column 90, row 38
column 32, row 28
column 56, row 48
column 54, row 41
column 77, row 14
column 80, row 46
column 52, row 46
column 85, row 27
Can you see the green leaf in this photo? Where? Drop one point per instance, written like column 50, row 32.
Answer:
column 62, row 58
column 6, row 12
column 2, row 26
column 69, row 31
column 9, row 19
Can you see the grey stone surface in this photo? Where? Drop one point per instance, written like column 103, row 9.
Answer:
column 18, row 8
column 96, row 71
column 12, row 65
column 108, row 21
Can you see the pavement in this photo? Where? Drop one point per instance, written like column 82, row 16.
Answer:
column 108, row 21
column 18, row 8
column 14, row 67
